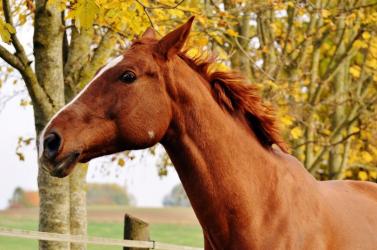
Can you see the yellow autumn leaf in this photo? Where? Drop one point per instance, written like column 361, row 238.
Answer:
column 121, row 162
column 231, row 32
column 372, row 63
column 360, row 44
column 291, row 4
column 325, row 13
column 271, row 84
column 296, row 132
column 60, row 4
column 366, row 156
column 5, row 31
column 10, row 28
column 350, row 18
column 363, row 176
column 201, row 41
column 326, row 131
column 348, row 173
column 366, row 35
column 287, row 120
column 355, row 71
column 373, row 174
column 354, row 129
column 86, row 12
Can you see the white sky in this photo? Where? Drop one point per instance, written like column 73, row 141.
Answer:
column 139, row 176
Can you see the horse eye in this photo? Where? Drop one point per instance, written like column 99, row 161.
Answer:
column 128, row 77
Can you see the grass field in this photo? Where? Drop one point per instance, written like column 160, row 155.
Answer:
column 169, row 225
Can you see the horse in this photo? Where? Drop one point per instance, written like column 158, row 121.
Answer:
column 246, row 190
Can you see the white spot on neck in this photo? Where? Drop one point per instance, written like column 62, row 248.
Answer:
column 151, row 134
column 108, row 66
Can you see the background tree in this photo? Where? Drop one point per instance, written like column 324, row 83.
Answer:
column 315, row 61
column 176, row 197
column 23, row 199
column 108, row 194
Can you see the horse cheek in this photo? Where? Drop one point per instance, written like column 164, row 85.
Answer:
column 144, row 128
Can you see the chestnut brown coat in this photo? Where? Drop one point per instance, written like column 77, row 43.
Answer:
column 246, row 190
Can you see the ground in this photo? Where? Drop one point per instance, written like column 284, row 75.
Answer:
column 168, row 225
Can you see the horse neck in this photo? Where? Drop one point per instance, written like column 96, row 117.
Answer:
column 225, row 171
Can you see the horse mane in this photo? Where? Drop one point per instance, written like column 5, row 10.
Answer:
column 234, row 95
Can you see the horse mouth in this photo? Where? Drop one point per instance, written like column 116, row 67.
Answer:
column 64, row 167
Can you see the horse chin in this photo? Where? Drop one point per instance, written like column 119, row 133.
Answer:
column 89, row 155
column 64, row 167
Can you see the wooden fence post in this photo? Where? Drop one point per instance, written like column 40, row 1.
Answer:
column 135, row 229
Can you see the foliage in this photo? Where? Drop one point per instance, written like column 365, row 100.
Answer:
column 316, row 62
column 108, row 194
column 177, row 197
column 5, row 31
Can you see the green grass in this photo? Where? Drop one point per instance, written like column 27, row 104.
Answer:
column 190, row 235
column 7, row 243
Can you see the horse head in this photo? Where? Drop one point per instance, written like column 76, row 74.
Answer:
column 125, row 106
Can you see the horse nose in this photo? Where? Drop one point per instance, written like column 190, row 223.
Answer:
column 51, row 145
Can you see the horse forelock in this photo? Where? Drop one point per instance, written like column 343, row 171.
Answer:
column 234, row 95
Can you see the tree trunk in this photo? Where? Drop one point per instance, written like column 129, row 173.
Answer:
column 339, row 89
column 78, row 215
column 54, row 195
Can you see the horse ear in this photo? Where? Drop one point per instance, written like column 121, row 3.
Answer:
column 173, row 42
column 149, row 33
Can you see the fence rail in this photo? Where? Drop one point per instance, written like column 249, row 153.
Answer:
column 35, row 235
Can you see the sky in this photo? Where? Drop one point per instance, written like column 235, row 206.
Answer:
column 139, row 176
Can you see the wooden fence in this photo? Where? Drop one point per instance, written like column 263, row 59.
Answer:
column 132, row 229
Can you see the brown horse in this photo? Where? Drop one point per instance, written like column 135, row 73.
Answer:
column 247, row 192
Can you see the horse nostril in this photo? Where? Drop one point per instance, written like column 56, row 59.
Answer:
column 51, row 145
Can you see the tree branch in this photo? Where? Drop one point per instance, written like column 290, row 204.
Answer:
column 37, row 94
column 161, row 6
column 11, row 59
column 102, row 53
column 20, row 51
column 20, row 62
column 353, row 115
column 317, row 142
column 349, row 52
column 253, row 63
column 78, row 55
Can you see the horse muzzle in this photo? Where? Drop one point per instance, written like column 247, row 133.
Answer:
column 55, row 165
column 61, row 168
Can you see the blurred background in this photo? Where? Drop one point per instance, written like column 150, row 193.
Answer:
column 314, row 61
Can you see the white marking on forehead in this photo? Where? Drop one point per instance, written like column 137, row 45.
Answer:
column 151, row 134
column 108, row 66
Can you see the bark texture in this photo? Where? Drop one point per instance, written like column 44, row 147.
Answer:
column 78, row 214
column 54, row 198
